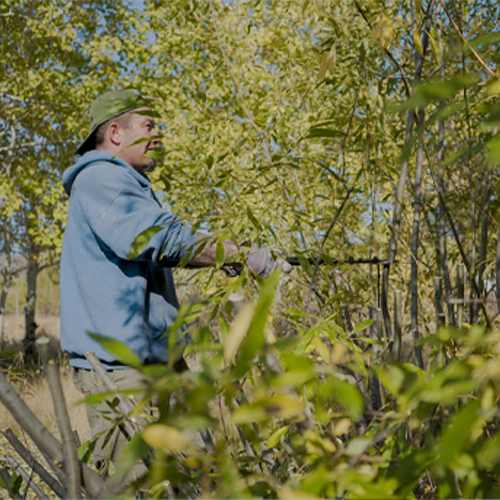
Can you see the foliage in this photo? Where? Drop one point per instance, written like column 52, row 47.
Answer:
column 289, row 419
column 303, row 126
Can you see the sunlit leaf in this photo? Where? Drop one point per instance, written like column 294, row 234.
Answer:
column 238, row 330
column 118, row 349
column 275, row 437
column 167, row 438
column 219, row 254
column 363, row 325
column 142, row 240
column 357, row 446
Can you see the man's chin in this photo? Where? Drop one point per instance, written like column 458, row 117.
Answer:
column 150, row 166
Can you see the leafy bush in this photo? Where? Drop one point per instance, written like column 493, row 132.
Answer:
column 292, row 418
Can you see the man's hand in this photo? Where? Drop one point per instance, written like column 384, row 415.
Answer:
column 261, row 262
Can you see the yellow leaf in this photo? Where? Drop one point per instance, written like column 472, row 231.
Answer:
column 292, row 494
column 341, row 427
column 383, row 31
column 238, row 331
column 418, row 43
column 271, row 338
column 338, row 352
column 323, row 351
column 332, row 58
column 166, row 438
column 436, row 49
column 319, row 5
column 494, row 87
column 323, row 67
column 285, row 406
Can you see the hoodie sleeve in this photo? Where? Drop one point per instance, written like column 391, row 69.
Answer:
column 118, row 208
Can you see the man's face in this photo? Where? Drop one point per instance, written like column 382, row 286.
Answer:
column 140, row 127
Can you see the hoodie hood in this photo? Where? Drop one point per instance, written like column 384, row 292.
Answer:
column 98, row 156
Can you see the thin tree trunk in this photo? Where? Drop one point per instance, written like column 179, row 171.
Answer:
column 375, row 334
column 460, row 294
column 398, row 204
column 6, row 281
column 443, row 252
column 71, row 463
column 30, row 310
column 485, row 219
column 415, row 244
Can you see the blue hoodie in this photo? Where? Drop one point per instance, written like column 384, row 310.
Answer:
column 102, row 291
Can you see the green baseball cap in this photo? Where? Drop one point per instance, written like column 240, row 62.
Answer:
column 109, row 105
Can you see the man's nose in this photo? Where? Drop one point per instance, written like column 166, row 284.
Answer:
column 155, row 138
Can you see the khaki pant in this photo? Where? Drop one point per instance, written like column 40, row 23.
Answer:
column 108, row 448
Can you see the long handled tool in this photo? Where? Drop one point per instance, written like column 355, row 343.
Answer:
column 295, row 261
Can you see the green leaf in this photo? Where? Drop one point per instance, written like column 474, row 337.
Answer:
column 324, row 132
column 253, row 220
column 219, row 254
column 142, row 241
column 452, row 159
column 489, row 454
column 409, row 470
column 357, row 446
column 346, row 394
column 305, row 265
column 167, row 438
column 133, row 453
column 430, row 91
column 283, row 406
column 118, row 349
column 255, row 338
column 238, row 331
column 456, row 437
column 297, row 313
column 238, row 146
column 275, row 437
column 493, row 147
column 86, row 450
column 157, row 154
column 418, row 43
column 293, row 378
column 191, row 421
column 363, row 325
column 15, row 484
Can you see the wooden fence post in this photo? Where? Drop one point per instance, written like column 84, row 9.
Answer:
column 438, row 301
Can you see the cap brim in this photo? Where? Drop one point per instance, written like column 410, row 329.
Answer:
column 85, row 145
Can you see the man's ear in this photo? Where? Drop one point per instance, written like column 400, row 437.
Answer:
column 114, row 134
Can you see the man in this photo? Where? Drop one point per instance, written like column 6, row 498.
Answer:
column 102, row 290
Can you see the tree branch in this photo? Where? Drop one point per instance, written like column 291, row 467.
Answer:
column 476, row 55
column 34, row 464
column 71, row 463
